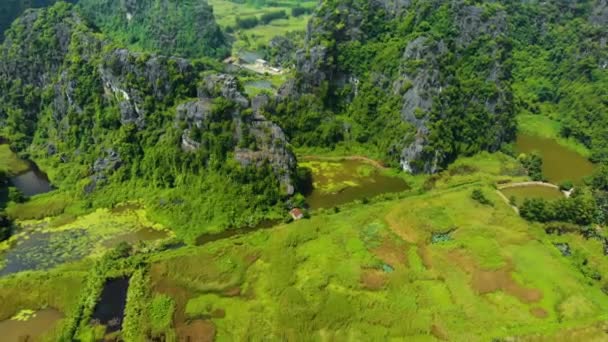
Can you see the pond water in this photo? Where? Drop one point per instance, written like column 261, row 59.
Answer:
column 261, row 84
column 143, row 234
column 337, row 183
column 559, row 162
column 43, row 321
column 38, row 250
column 32, row 182
column 42, row 250
column 110, row 309
column 532, row 191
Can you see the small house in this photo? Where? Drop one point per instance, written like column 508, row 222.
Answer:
column 296, row 213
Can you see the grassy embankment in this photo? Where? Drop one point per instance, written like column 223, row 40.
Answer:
column 10, row 162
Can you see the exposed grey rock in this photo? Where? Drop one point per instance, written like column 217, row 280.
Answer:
column 222, row 85
column 110, row 162
column 269, row 144
column 121, row 66
column 599, row 15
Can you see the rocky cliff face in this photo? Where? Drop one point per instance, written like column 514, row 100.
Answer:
column 255, row 140
column 433, row 60
column 64, row 87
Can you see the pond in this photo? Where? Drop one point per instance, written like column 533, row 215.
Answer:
column 27, row 176
column 559, row 162
column 32, row 182
column 43, row 250
column 339, row 182
column 143, row 234
column 41, row 322
column 110, row 309
column 260, row 84
column 532, row 191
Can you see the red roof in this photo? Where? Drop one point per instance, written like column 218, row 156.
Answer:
column 296, row 212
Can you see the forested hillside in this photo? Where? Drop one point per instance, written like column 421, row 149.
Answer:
column 561, row 67
column 185, row 28
column 11, row 9
column 421, row 82
column 113, row 124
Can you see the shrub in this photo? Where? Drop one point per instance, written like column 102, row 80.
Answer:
column 478, row 196
column 270, row 16
column 566, row 185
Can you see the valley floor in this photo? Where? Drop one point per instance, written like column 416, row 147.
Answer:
column 418, row 265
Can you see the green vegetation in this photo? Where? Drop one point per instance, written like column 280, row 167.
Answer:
column 245, row 20
column 183, row 28
column 10, row 163
column 148, row 152
column 478, row 196
column 11, row 9
column 533, row 163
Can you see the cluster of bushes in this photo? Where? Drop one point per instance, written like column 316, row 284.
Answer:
column 299, row 11
column 533, row 164
column 478, row 196
column 253, row 21
column 580, row 208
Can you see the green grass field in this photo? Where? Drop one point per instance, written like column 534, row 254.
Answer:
column 371, row 272
column 10, row 162
column 226, row 13
column 430, row 264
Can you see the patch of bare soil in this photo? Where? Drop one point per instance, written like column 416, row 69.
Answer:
column 400, row 227
column 392, row 253
column 425, row 256
column 373, row 279
column 488, row 281
column 439, row 333
column 196, row 331
column 539, row 312
column 232, row 292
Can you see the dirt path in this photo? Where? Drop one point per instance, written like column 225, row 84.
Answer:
column 522, row 184
column 507, row 201
column 362, row 158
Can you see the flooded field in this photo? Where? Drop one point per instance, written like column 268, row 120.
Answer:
column 340, row 182
column 110, row 309
column 13, row 330
column 532, row 191
column 43, row 250
column 559, row 163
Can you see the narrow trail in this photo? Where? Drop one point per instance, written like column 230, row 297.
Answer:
column 361, row 158
column 515, row 209
column 522, row 184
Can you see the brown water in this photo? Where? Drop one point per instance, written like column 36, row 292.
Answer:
column 13, row 331
column 337, row 183
column 143, row 234
column 532, row 191
column 559, row 162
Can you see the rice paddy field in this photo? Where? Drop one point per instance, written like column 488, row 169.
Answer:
column 226, row 12
column 424, row 265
